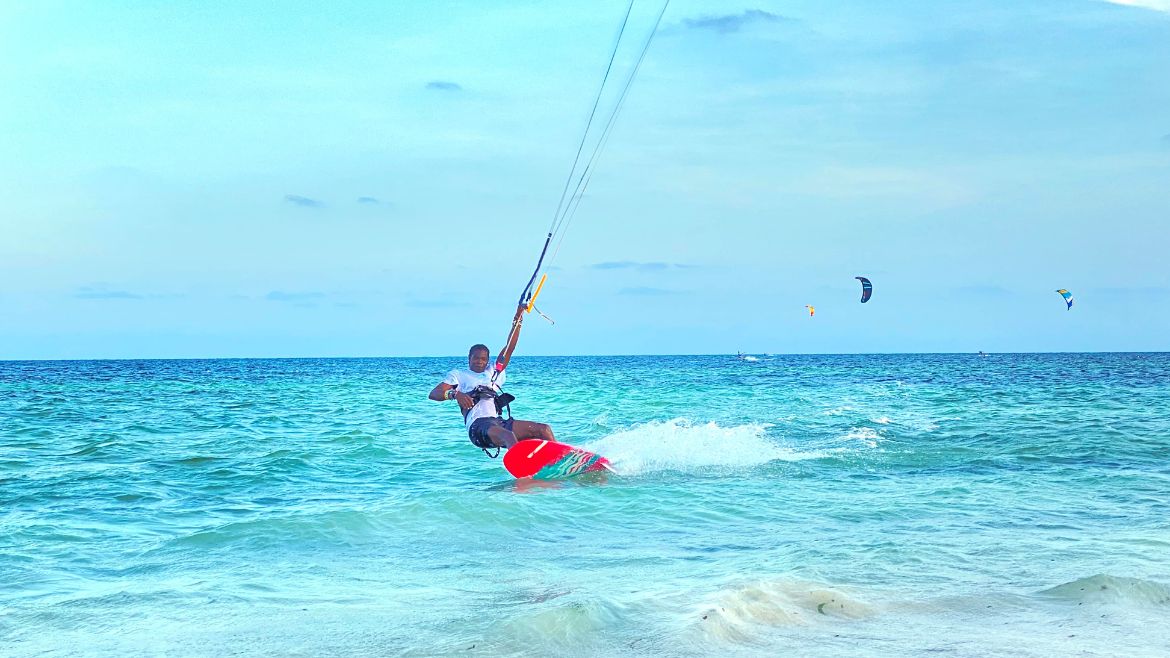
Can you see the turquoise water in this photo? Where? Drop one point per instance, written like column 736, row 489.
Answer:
column 795, row 505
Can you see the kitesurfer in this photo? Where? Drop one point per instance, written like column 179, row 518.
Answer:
column 479, row 393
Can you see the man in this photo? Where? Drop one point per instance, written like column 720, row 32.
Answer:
column 476, row 394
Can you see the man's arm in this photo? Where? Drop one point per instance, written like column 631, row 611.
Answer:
column 444, row 391
column 506, row 353
column 439, row 392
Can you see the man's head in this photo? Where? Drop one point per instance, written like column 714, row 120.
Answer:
column 477, row 357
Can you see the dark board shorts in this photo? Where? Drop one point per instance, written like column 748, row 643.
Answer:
column 478, row 432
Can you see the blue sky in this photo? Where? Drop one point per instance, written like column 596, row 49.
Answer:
column 366, row 178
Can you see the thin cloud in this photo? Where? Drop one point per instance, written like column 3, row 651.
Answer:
column 369, row 200
column 281, row 296
column 94, row 293
column 641, row 267
column 645, row 291
column 303, row 201
column 730, row 23
column 1151, row 291
column 984, row 291
column 444, row 85
column 436, row 303
column 1155, row 5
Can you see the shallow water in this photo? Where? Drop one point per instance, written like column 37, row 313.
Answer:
column 878, row 505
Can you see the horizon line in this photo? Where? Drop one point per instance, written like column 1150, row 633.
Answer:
column 560, row 356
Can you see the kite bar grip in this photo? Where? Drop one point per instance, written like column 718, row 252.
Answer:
column 532, row 300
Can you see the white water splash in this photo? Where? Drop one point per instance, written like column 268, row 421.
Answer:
column 866, row 435
column 680, row 445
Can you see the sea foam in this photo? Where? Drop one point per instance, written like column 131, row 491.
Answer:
column 681, row 445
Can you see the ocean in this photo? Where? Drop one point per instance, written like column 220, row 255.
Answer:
column 892, row 505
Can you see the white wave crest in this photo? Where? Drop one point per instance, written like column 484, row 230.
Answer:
column 680, row 445
column 866, row 435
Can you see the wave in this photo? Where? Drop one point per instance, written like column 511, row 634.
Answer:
column 563, row 628
column 866, row 435
column 680, row 445
column 1103, row 588
column 739, row 614
column 336, row 527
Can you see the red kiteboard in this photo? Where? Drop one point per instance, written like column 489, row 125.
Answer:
column 544, row 460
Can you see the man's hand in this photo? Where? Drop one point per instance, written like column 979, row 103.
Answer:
column 464, row 400
column 520, row 313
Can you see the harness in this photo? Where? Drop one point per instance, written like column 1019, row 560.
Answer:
column 503, row 402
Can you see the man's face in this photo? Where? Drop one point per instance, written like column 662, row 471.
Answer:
column 478, row 360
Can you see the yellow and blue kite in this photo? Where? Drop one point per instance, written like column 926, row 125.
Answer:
column 1067, row 298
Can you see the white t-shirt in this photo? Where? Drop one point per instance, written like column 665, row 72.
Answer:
column 465, row 381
